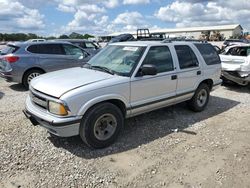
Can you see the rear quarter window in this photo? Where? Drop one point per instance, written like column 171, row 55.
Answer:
column 33, row 49
column 208, row 53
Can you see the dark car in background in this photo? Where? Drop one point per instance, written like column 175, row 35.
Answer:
column 87, row 45
column 22, row 61
column 122, row 38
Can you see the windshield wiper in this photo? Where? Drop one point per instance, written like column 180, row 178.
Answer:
column 86, row 65
column 105, row 69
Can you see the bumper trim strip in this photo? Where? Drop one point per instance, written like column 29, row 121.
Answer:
column 31, row 116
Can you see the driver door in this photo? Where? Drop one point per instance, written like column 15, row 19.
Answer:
column 152, row 92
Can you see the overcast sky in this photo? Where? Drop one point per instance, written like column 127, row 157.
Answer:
column 55, row 17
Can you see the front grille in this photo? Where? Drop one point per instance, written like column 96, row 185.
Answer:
column 38, row 100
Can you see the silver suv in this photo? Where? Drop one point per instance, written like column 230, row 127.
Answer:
column 123, row 80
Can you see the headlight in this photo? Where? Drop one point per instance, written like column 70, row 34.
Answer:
column 57, row 108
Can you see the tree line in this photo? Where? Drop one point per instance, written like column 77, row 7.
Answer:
column 24, row 36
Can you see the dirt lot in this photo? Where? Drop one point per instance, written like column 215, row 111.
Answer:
column 210, row 149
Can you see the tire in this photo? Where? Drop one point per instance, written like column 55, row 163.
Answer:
column 95, row 130
column 200, row 99
column 29, row 75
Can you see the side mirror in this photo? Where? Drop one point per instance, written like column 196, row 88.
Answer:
column 148, row 69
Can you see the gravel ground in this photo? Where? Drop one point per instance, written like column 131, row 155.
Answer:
column 171, row 147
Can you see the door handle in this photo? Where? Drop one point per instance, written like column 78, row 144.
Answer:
column 173, row 77
column 198, row 72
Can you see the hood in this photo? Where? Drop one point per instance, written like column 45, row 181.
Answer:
column 59, row 82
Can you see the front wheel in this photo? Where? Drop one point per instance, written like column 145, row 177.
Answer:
column 200, row 99
column 101, row 125
column 28, row 76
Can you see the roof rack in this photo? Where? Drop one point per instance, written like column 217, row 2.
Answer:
column 182, row 40
column 151, row 39
column 144, row 35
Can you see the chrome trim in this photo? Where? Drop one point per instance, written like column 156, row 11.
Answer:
column 48, row 98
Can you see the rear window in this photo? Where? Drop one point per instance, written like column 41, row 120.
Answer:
column 46, row 49
column 208, row 53
column 9, row 49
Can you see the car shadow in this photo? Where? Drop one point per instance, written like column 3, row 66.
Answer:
column 147, row 128
column 1, row 95
column 18, row 87
column 235, row 87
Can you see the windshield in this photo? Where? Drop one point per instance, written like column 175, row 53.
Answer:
column 120, row 59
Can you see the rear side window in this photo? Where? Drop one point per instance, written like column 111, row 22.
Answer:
column 186, row 57
column 9, row 49
column 208, row 53
column 161, row 57
column 46, row 49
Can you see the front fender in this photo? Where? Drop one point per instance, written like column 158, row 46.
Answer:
column 100, row 99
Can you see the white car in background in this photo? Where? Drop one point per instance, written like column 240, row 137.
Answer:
column 36, row 40
column 235, row 61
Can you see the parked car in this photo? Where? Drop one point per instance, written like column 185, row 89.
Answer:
column 230, row 42
column 236, row 64
column 122, row 38
column 123, row 80
column 21, row 62
column 87, row 45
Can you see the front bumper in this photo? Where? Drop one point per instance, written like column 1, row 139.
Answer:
column 64, row 127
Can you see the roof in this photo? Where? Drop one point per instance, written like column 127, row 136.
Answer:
column 187, row 29
column 238, row 45
column 72, row 40
column 148, row 43
column 135, row 43
column 44, row 42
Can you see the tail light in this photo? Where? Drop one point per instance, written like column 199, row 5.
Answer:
column 11, row 59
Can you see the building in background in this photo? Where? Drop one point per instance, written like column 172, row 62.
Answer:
column 213, row 33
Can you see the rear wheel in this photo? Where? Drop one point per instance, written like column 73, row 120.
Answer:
column 200, row 99
column 29, row 75
column 101, row 125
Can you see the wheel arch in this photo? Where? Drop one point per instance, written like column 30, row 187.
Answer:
column 118, row 101
column 208, row 81
column 32, row 68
